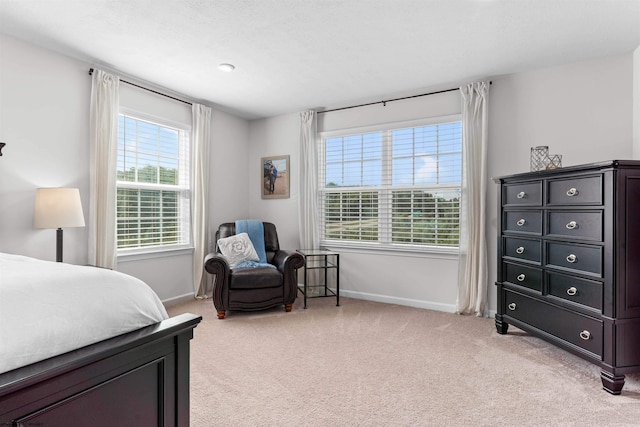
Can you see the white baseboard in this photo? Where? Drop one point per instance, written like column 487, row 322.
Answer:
column 448, row 308
column 429, row 305
column 177, row 300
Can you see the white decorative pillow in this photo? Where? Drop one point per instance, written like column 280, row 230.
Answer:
column 237, row 249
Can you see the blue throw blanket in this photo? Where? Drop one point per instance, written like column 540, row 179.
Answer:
column 255, row 230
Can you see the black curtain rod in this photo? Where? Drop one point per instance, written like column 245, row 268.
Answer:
column 388, row 100
column 150, row 90
column 391, row 100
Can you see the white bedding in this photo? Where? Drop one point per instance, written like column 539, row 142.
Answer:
column 49, row 308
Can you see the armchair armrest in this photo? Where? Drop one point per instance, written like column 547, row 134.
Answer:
column 288, row 261
column 216, row 264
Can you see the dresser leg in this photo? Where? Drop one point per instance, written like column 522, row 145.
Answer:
column 611, row 382
column 501, row 326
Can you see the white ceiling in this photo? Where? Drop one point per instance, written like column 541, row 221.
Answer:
column 292, row 55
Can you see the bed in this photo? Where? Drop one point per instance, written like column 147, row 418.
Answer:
column 82, row 345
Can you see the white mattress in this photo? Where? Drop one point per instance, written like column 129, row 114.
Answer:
column 49, row 308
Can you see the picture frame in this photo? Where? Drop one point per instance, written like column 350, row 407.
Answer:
column 280, row 187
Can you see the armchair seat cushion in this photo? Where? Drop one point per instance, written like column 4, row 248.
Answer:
column 255, row 278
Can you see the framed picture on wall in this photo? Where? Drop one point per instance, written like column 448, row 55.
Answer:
column 275, row 177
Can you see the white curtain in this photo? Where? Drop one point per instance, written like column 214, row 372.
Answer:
column 472, row 273
column 200, row 131
column 307, row 209
column 103, row 140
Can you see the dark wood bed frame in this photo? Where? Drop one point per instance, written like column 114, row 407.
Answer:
column 137, row 379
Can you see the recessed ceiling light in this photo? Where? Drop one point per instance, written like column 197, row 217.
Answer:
column 227, row 68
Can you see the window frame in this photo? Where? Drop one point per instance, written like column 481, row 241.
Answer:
column 184, row 190
column 384, row 194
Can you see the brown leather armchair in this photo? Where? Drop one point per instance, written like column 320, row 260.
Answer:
column 254, row 288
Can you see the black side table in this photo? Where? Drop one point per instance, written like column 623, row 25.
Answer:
column 318, row 259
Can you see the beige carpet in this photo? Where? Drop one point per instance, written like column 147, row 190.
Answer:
column 373, row 364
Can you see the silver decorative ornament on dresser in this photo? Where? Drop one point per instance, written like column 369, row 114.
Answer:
column 541, row 159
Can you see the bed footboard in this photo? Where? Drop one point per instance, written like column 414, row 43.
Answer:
column 140, row 378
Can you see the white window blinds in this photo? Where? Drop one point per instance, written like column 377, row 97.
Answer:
column 153, row 181
column 392, row 187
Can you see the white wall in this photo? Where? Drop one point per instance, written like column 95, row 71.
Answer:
column 409, row 280
column 228, row 175
column 442, row 104
column 275, row 137
column 582, row 111
column 172, row 275
column 44, row 119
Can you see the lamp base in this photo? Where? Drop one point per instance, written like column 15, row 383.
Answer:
column 59, row 245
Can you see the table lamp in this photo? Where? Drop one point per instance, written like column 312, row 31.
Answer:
column 58, row 208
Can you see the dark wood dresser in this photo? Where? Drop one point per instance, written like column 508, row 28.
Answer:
column 569, row 262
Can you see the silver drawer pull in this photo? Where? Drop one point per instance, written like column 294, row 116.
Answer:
column 572, row 291
column 572, row 258
column 512, row 306
column 521, row 222
column 521, row 195
column 571, row 225
column 520, row 250
column 572, row 192
column 521, row 277
column 585, row 335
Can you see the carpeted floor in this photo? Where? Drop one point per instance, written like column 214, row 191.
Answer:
column 372, row 364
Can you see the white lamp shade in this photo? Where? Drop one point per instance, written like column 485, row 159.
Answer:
column 58, row 208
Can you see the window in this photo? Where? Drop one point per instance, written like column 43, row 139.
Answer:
column 392, row 187
column 153, row 194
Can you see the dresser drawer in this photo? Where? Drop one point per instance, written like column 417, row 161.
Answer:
column 574, row 289
column 575, row 191
column 521, row 275
column 522, row 194
column 529, row 222
column 523, row 249
column 580, row 330
column 580, row 258
column 583, row 225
